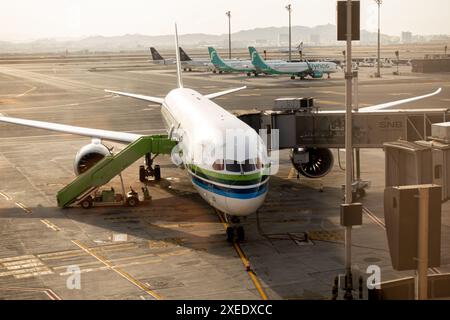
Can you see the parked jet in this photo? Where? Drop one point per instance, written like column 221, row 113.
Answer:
column 241, row 66
column 230, row 174
column 188, row 63
column 235, row 182
column 299, row 69
column 157, row 58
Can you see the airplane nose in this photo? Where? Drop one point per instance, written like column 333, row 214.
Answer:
column 245, row 207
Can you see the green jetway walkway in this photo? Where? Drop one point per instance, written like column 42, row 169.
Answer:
column 110, row 166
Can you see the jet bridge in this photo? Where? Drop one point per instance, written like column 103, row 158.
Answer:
column 110, row 166
column 314, row 129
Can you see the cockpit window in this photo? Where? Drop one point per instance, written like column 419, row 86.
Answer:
column 232, row 166
column 248, row 165
column 218, row 165
column 259, row 164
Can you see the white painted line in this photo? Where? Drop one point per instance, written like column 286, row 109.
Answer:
column 26, row 92
column 50, row 225
column 4, row 195
column 23, row 207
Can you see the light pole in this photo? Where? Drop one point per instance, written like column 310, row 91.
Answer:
column 289, row 9
column 228, row 13
column 378, row 74
column 349, row 152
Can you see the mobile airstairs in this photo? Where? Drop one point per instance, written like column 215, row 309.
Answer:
column 112, row 165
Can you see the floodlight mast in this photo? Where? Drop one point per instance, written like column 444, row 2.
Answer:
column 289, row 9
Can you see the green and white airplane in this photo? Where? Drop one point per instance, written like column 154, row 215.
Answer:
column 302, row 70
column 231, row 65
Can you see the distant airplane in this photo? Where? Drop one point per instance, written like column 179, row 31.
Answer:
column 232, row 180
column 240, row 66
column 296, row 49
column 295, row 69
column 158, row 59
column 188, row 63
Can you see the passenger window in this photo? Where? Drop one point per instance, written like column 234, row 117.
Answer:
column 218, row 165
column 233, row 166
column 248, row 166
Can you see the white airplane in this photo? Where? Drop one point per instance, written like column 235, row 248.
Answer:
column 299, row 69
column 189, row 64
column 236, row 183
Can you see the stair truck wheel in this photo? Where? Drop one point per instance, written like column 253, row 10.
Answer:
column 132, row 201
column 157, row 173
column 86, row 203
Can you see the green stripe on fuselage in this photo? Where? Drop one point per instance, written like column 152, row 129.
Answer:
column 235, row 179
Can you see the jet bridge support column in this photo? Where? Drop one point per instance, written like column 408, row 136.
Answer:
column 349, row 155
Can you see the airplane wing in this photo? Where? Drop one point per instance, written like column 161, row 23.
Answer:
column 383, row 106
column 399, row 102
column 138, row 96
column 222, row 93
column 123, row 137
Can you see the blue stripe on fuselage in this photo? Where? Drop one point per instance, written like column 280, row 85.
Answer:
column 248, row 193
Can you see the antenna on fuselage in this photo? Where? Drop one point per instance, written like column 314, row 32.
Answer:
column 177, row 54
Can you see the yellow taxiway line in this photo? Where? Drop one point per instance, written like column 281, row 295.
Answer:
column 122, row 273
column 246, row 263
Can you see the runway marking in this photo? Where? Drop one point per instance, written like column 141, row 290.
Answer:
column 333, row 103
column 122, row 273
column 445, row 100
column 4, row 195
column 249, row 95
column 400, row 94
column 23, row 267
column 50, row 225
column 23, row 207
column 245, row 262
column 332, row 92
column 49, row 292
column 26, row 92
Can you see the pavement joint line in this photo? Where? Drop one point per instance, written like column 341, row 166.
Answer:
column 50, row 225
column 122, row 273
column 23, row 207
column 245, row 262
column 4, row 195
column 49, row 292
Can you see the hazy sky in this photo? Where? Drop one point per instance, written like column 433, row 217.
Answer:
column 31, row 19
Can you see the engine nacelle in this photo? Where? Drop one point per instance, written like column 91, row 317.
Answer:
column 312, row 162
column 317, row 74
column 88, row 156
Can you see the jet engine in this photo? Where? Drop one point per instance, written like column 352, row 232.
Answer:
column 317, row 74
column 312, row 162
column 89, row 155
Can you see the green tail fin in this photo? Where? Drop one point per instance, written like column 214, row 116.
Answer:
column 215, row 58
column 257, row 61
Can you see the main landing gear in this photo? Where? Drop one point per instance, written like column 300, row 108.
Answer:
column 148, row 170
column 235, row 232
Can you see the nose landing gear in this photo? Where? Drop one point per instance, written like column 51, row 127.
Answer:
column 235, row 231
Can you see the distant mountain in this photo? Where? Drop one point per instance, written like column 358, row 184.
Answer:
column 261, row 37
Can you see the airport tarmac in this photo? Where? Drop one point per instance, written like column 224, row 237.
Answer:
column 174, row 247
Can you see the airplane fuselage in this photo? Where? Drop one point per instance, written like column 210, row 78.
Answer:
column 233, row 185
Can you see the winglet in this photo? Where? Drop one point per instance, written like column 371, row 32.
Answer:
column 223, row 93
column 399, row 102
column 177, row 53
